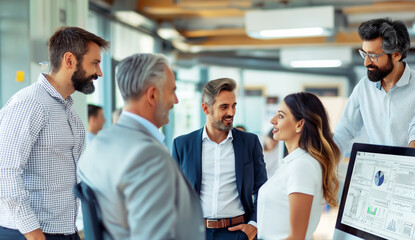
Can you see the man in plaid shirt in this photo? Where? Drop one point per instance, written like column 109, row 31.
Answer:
column 41, row 139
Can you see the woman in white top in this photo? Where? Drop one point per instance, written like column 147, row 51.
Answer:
column 291, row 201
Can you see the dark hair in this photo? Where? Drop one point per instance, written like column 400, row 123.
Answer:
column 74, row 40
column 316, row 139
column 93, row 110
column 394, row 34
column 214, row 87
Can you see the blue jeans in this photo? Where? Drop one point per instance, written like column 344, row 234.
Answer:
column 13, row 234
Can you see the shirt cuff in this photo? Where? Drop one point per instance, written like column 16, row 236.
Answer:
column 253, row 223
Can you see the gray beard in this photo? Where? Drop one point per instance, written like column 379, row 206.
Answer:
column 220, row 126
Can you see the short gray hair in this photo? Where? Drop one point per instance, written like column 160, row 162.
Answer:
column 394, row 34
column 139, row 71
column 214, row 87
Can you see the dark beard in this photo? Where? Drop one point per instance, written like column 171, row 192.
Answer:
column 379, row 74
column 81, row 83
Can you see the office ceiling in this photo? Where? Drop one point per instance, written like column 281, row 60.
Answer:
column 210, row 28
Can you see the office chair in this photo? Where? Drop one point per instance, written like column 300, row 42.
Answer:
column 93, row 226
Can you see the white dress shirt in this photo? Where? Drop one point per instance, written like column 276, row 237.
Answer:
column 219, row 194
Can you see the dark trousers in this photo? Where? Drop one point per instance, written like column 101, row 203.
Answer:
column 12, row 234
column 224, row 234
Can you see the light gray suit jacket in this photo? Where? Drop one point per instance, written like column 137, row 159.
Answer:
column 139, row 187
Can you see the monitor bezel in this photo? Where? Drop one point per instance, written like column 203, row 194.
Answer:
column 371, row 148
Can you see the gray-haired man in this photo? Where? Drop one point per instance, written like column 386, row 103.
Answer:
column 141, row 191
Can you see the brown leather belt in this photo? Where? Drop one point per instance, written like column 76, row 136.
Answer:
column 225, row 222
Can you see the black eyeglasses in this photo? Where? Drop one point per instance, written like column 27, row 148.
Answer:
column 373, row 57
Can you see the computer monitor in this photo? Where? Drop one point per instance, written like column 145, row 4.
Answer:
column 378, row 200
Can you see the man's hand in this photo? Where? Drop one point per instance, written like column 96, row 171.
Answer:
column 35, row 235
column 412, row 144
column 248, row 229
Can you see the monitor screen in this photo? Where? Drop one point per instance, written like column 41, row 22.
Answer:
column 378, row 200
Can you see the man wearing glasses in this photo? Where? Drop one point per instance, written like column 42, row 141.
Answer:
column 383, row 102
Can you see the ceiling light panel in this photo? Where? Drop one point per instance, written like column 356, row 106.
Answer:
column 290, row 22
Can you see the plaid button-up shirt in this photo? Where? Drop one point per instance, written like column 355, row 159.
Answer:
column 41, row 139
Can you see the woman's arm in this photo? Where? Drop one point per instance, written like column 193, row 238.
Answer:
column 300, row 209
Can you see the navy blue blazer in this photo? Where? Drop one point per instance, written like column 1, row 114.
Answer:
column 249, row 165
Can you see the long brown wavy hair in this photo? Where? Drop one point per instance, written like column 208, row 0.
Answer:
column 316, row 139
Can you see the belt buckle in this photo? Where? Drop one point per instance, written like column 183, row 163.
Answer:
column 208, row 221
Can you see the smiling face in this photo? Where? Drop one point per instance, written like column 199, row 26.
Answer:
column 376, row 71
column 88, row 70
column 221, row 114
column 286, row 127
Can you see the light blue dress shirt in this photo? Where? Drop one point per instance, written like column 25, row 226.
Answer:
column 89, row 137
column 388, row 117
column 148, row 125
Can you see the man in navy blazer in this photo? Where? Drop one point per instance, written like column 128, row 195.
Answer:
column 224, row 165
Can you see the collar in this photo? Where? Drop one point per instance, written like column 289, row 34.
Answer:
column 205, row 136
column 403, row 81
column 148, row 125
column 294, row 154
column 52, row 91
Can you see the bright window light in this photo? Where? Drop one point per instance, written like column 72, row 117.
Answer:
column 295, row 32
column 316, row 63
